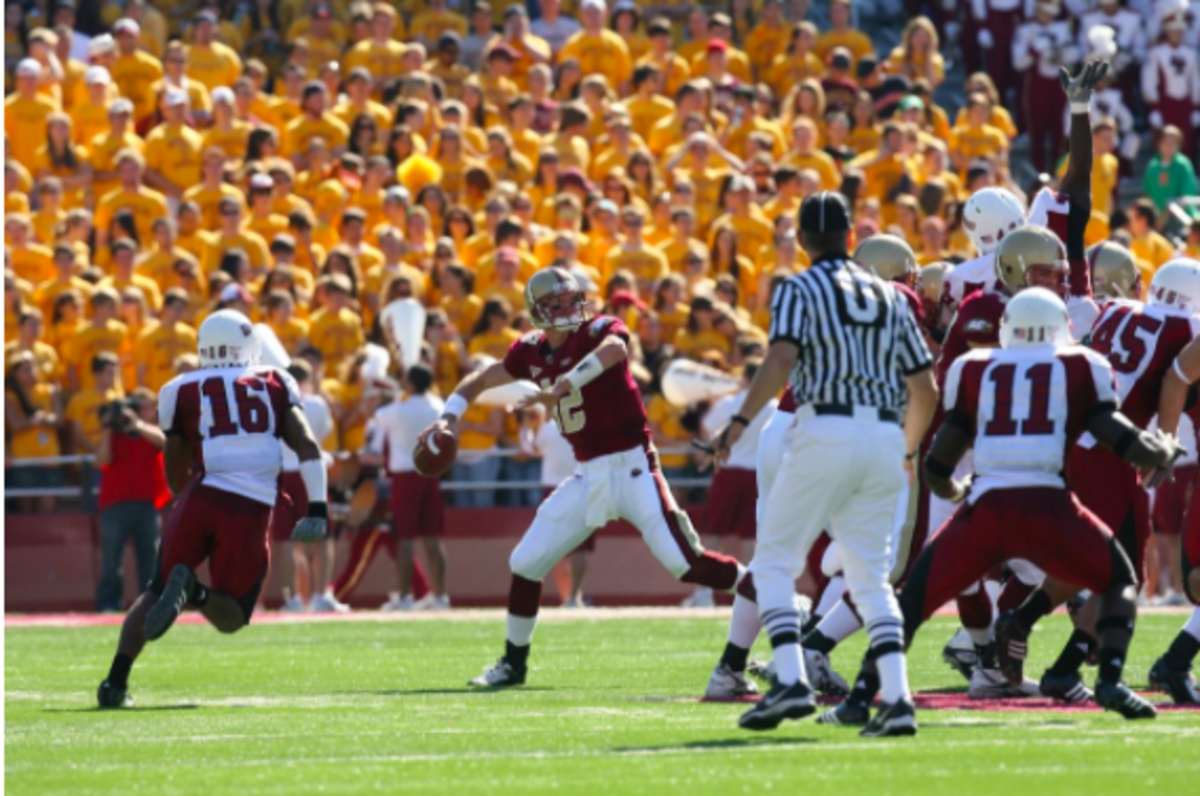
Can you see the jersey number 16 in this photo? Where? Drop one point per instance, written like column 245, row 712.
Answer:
column 253, row 412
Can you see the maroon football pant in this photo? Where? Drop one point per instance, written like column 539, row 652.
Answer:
column 1046, row 526
column 1109, row 487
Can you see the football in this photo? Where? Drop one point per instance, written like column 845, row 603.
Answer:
column 435, row 455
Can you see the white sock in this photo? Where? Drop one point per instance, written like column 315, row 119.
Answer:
column 1192, row 627
column 893, row 677
column 520, row 630
column 789, row 664
column 980, row 636
column 832, row 594
column 744, row 624
column 840, row 623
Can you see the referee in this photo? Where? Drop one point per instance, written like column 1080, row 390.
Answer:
column 858, row 366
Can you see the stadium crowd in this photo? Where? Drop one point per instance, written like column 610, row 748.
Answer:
column 309, row 162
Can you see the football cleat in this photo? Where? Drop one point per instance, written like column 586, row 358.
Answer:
column 1069, row 688
column 782, row 702
column 1180, row 684
column 822, row 675
column 850, row 713
column 762, row 670
column 1119, row 698
column 898, row 718
column 725, row 683
column 171, row 602
column 959, row 652
column 991, row 684
column 1012, row 647
column 108, row 697
column 501, row 675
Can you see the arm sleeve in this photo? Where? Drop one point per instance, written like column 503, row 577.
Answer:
column 787, row 318
column 168, row 398
column 514, row 360
column 912, row 355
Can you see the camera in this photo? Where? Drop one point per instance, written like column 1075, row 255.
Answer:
column 113, row 415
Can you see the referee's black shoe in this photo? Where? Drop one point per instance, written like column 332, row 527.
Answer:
column 782, row 702
column 898, row 718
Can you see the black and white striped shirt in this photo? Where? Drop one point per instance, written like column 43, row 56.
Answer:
column 857, row 337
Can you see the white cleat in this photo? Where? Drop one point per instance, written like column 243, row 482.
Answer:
column 762, row 670
column 991, row 684
column 822, row 675
column 702, row 597
column 725, row 683
column 397, row 602
column 959, row 653
column 325, row 602
column 500, row 675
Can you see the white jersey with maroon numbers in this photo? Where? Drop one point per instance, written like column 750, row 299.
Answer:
column 1025, row 408
column 232, row 416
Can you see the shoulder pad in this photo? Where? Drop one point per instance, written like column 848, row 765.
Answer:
column 600, row 325
column 532, row 338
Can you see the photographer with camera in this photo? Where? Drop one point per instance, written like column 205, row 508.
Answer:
column 133, row 489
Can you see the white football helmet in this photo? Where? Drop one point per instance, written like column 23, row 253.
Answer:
column 989, row 215
column 1177, row 284
column 1033, row 318
column 226, row 339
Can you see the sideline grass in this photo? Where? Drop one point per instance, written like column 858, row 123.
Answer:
column 366, row 707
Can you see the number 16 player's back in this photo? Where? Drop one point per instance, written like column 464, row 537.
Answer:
column 232, row 417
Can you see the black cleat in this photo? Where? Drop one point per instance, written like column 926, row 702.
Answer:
column 500, row 675
column 782, row 702
column 898, row 718
column 1067, row 687
column 108, row 696
column 171, row 603
column 1179, row 683
column 1119, row 698
column 959, row 653
column 850, row 713
column 1012, row 647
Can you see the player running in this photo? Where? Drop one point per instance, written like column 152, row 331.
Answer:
column 1141, row 343
column 582, row 367
column 222, row 460
column 1022, row 407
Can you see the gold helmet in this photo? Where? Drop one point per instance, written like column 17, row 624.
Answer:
column 1032, row 251
column 931, row 281
column 555, row 300
column 1114, row 272
column 888, row 257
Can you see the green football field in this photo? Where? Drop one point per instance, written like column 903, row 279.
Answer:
column 381, row 707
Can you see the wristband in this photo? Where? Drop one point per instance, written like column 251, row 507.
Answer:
column 1081, row 107
column 1179, row 372
column 456, row 406
column 739, row 419
column 588, row 369
column 318, row 509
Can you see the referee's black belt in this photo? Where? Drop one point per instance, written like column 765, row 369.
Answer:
column 846, row 410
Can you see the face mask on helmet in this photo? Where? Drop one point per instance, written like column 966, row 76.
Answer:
column 555, row 301
column 1177, row 284
column 989, row 215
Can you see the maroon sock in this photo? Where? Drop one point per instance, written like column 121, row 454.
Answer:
column 1013, row 594
column 975, row 610
column 524, row 595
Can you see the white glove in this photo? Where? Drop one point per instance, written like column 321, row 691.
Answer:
column 310, row 529
column 1156, row 119
column 986, row 40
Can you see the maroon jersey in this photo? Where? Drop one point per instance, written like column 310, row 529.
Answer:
column 975, row 325
column 1141, row 342
column 606, row 415
column 787, row 402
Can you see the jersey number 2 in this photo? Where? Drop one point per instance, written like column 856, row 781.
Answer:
column 253, row 416
column 568, row 415
column 1002, row 423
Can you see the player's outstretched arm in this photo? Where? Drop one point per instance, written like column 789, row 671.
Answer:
column 470, row 388
column 611, row 351
column 1172, row 399
column 1142, row 449
column 922, row 403
column 1077, row 182
column 298, row 436
column 950, row 444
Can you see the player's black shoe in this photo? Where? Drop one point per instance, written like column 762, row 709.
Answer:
column 108, row 696
column 782, row 702
column 501, row 675
column 171, row 603
column 1067, row 687
column 1119, row 698
column 898, row 718
column 1179, row 683
column 1012, row 647
column 850, row 713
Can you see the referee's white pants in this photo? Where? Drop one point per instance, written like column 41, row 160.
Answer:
column 772, row 444
column 844, row 474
